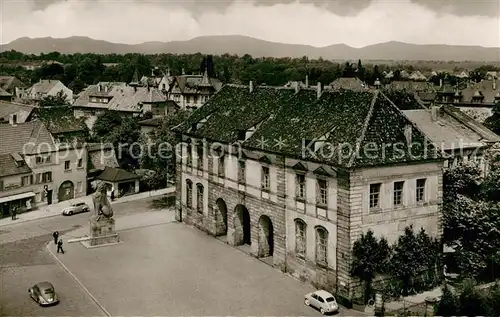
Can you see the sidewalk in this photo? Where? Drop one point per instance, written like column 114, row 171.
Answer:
column 56, row 209
column 413, row 300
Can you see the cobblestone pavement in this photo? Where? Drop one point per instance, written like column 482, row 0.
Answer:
column 24, row 261
column 174, row 270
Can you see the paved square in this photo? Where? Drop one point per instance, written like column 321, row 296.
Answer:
column 175, row 270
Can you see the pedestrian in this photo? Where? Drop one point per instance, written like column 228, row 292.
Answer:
column 112, row 195
column 14, row 212
column 59, row 246
column 56, row 236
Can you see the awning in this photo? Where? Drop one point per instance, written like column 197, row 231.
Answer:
column 16, row 197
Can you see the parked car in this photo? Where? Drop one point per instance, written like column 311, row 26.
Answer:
column 323, row 301
column 75, row 209
column 44, row 294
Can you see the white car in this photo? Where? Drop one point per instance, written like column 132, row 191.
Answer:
column 76, row 209
column 323, row 301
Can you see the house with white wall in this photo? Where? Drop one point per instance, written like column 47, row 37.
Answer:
column 47, row 87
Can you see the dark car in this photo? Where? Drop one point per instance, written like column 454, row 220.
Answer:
column 44, row 294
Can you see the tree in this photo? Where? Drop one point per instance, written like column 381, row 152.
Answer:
column 472, row 303
column 126, row 139
column 449, row 304
column 59, row 100
column 465, row 179
column 105, row 123
column 369, row 258
column 490, row 187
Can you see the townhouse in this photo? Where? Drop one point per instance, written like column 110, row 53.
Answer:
column 192, row 91
column 57, row 171
column 45, row 88
column 294, row 176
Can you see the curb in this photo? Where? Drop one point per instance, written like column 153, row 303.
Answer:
column 28, row 220
column 78, row 281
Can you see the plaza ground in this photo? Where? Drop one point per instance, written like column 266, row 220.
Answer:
column 167, row 268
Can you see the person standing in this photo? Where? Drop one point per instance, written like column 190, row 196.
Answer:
column 14, row 212
column 59, row 246
column 56, row 236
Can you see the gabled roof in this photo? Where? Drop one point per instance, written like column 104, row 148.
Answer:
column 26, row 138
column 351, row 83
column 347, row 120
column 9, row 166
column 9, row 82
column 4, row 93
column 43, row 86
column 415, row 86
column 404, row 99
column 193, row 84
column 112, row 174
column 8, row 108
column 484, row 89
column 123, row 97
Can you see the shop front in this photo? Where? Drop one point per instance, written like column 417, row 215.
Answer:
column 22, row 202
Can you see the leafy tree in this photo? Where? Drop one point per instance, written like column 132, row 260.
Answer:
column 449, row 304
column 490, row 187
column 492, row 302
column 105, row 123
column 369, row 258
column 493, row 122
column 465, row 179
column 126, row 138
column 59, row 100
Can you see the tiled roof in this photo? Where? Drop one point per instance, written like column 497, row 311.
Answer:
column 192, row 84
column 404, row 99
column 344, row 118
column 8, row 108
column 416, row 86
column 447, row 132
column 26, row 138
column 6, row 82
column 153, row 122
column 348, row 83
column 9, row 166
column 44, row 86
column 124, row 97
column 485, row 88
column 112, row 174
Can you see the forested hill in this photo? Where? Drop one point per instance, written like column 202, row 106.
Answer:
column 241, row 45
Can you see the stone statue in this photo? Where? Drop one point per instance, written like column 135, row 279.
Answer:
column 102, row 207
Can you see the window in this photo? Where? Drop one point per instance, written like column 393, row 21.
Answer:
column 300, row 237
column 39, row 160
column 375, row 195
column 398, row 193
column 79, row 187
column 221, row 168
column 322, row 192
column 189, row 193
column 25, row 181
column 420, row 190
column 80, row 163
column 199, row 152
column 189, row 153
column 67, row 165
column 300, row 186
column 321, row 245
column 47, row 177
column 199, row 198
column 241, row 172
column 266, row 178
column 47, row 159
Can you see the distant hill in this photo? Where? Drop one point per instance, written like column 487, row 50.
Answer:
column 241, row 45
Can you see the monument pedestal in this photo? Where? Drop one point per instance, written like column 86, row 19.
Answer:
column 102, row 231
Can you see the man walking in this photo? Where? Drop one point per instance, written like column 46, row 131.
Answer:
column 14, row 212
column 56, row 236
column 59, row 246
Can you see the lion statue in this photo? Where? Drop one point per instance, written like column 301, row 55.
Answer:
column 102, row 207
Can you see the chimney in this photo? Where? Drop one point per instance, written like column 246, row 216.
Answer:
column 105, row 88
column 251, row 86
column 319, row 90
column 296, row 86
column 152, row 73
column 307, row 81
column 183, row 72
column 99, row 87
column 408, row 133
column 11, row 119
column 434, row 113
column 440, row 82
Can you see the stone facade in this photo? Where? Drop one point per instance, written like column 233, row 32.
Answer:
column 309, row 235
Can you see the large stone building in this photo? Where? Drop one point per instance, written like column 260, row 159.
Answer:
column 45, row 171
column 294, row 176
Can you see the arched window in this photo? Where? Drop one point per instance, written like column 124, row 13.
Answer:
column 300, row 237
column 199, row 198
column 321, row 246
column 189, row 193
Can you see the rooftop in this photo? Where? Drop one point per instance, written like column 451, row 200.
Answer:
column 346, row 120
column 43, row 86
column 26, row 138
column 9, row 166
column 112, row 174
column 8, row 108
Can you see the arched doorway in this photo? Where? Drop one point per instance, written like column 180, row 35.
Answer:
column 266, row 237
column 242, row 226
column 66, row 191
column 220, row 217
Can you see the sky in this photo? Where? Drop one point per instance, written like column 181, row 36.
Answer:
column 313, row 22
